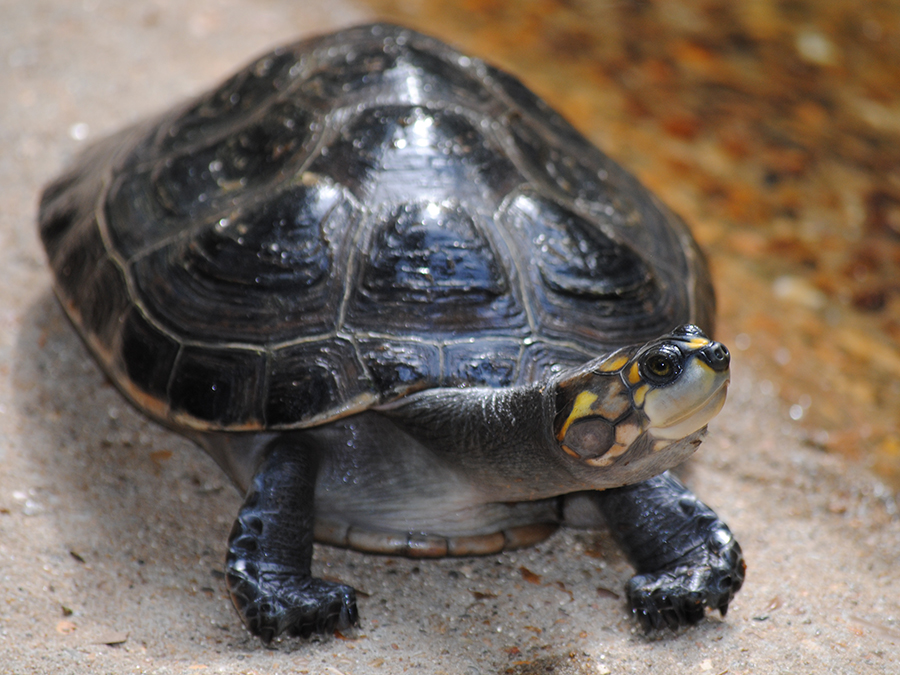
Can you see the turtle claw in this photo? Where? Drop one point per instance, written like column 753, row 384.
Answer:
column 708, row 576
column 291, row 605
column 658, row 601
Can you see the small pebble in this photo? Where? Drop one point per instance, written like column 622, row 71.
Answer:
column 814, row 47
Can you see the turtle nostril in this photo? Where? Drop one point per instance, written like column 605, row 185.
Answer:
column 716, row 356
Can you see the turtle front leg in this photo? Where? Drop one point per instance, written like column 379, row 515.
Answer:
column 686, row 557
column 267, row 569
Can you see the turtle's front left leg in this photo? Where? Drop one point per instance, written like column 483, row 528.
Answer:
column 686, row 557
column 267, row 569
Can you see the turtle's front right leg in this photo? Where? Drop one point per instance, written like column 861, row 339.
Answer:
column 267, row 569
column 686, row 557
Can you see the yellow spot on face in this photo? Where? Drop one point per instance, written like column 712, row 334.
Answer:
column 698, row 343
column 634, row 375
column 613, row 363
column 582, row 407
column 640, row 393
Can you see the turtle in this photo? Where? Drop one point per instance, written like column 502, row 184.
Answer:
column 409, row 310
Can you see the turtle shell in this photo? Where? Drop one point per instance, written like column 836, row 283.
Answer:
column 350, row 219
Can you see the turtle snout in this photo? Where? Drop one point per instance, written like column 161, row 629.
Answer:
column 716, row 356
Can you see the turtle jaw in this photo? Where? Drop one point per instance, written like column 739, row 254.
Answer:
column 690, row 403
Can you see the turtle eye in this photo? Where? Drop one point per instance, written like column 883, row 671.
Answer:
column 659, row 365
column 662, row 365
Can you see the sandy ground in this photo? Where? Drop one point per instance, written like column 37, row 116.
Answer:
column 112, row 529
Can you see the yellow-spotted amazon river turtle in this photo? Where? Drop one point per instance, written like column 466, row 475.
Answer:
column 408, row 309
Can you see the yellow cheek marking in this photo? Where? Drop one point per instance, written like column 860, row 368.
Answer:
column 613, row 364
column 634, row 375
column 582, row 407
column 697, row 342
column 639, row 394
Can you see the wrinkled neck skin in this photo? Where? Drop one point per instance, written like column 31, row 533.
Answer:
column 502, row 440
column 499, row 438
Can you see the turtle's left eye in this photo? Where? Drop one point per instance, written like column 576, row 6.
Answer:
column 661, row 365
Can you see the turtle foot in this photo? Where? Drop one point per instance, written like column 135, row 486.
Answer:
column 267, row 572
column 271, row 604
column 708, row 576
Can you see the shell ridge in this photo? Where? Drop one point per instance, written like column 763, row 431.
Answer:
column 518, row 260
column 353, row 270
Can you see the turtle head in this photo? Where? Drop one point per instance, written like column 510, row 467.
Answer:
column 682, row 380
column 628, row 412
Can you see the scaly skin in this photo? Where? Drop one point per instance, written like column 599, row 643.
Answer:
column 686, row 557
column 267, row 569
